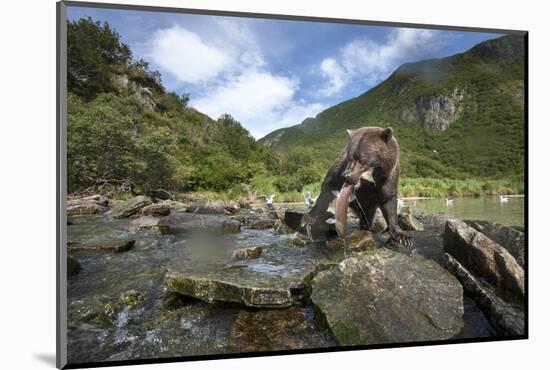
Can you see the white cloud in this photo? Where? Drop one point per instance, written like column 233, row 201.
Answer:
column 227, row 66
column 371, row 61
column 259, row 99
column 335, row 75
column 187, row 56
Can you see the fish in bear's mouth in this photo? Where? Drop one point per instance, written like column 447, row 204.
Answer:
column 344, row 197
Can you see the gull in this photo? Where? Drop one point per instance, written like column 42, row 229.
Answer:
column 503, row 199
column 308, row 199
column 449, row 202
column 268, row 200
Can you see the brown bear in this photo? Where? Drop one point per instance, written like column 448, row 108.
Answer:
column 370, row 166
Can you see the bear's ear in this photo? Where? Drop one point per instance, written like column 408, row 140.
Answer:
column 350, row 132
column 387, row 134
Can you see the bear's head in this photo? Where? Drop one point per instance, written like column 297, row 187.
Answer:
column 370, row 150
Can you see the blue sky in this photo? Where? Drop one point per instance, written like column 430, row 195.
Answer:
column 267, row 73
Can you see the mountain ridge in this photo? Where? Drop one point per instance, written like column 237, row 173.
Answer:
column 430, row 103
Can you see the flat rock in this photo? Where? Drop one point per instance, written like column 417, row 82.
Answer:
column 484, row 258
column 511, row 239
column 506, row 318
column 275, row 330
column 130, row 207
column 387, row 297
column 114, row 245
column 279, row 277
column 182, row 223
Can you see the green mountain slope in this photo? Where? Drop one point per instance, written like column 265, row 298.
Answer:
column 125, row 132
column 457, row 117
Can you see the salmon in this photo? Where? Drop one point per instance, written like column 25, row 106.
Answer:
column 342, row 202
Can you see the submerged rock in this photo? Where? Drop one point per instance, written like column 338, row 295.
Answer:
column 387, row 297
column 408, row 222
column 114, row 245
column 246, row 253
column 506, row 318
column 73, row 266
column 182, row 223
column 103, row 311
column 484, row 258
column 511, row 239
column 275, row 330
column 130, row 207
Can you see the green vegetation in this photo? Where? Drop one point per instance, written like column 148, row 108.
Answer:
column 122, row 139
column 127, row 134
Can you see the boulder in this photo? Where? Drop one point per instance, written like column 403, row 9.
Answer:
column 506, row 318
column 387, row 297
column 511, row 239
column 73, row 266
column 275, row 330
column 113, row 245
column 130, row 207
column 181, row 223
column 408, row 222
column 484, row 258
column 280, row 228
column 158, row 209
column 246, row 253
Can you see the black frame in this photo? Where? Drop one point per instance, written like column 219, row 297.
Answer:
column 61, row 146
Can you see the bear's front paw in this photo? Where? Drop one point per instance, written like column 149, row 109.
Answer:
column 401, row 237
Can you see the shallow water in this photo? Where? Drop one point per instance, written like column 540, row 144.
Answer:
column 509, row 213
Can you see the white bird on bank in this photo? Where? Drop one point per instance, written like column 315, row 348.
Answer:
column 503, row 199
column 308, row 199
column 449, row 201
column 268, row 200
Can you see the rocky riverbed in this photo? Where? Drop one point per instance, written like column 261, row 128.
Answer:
column 152, row 277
